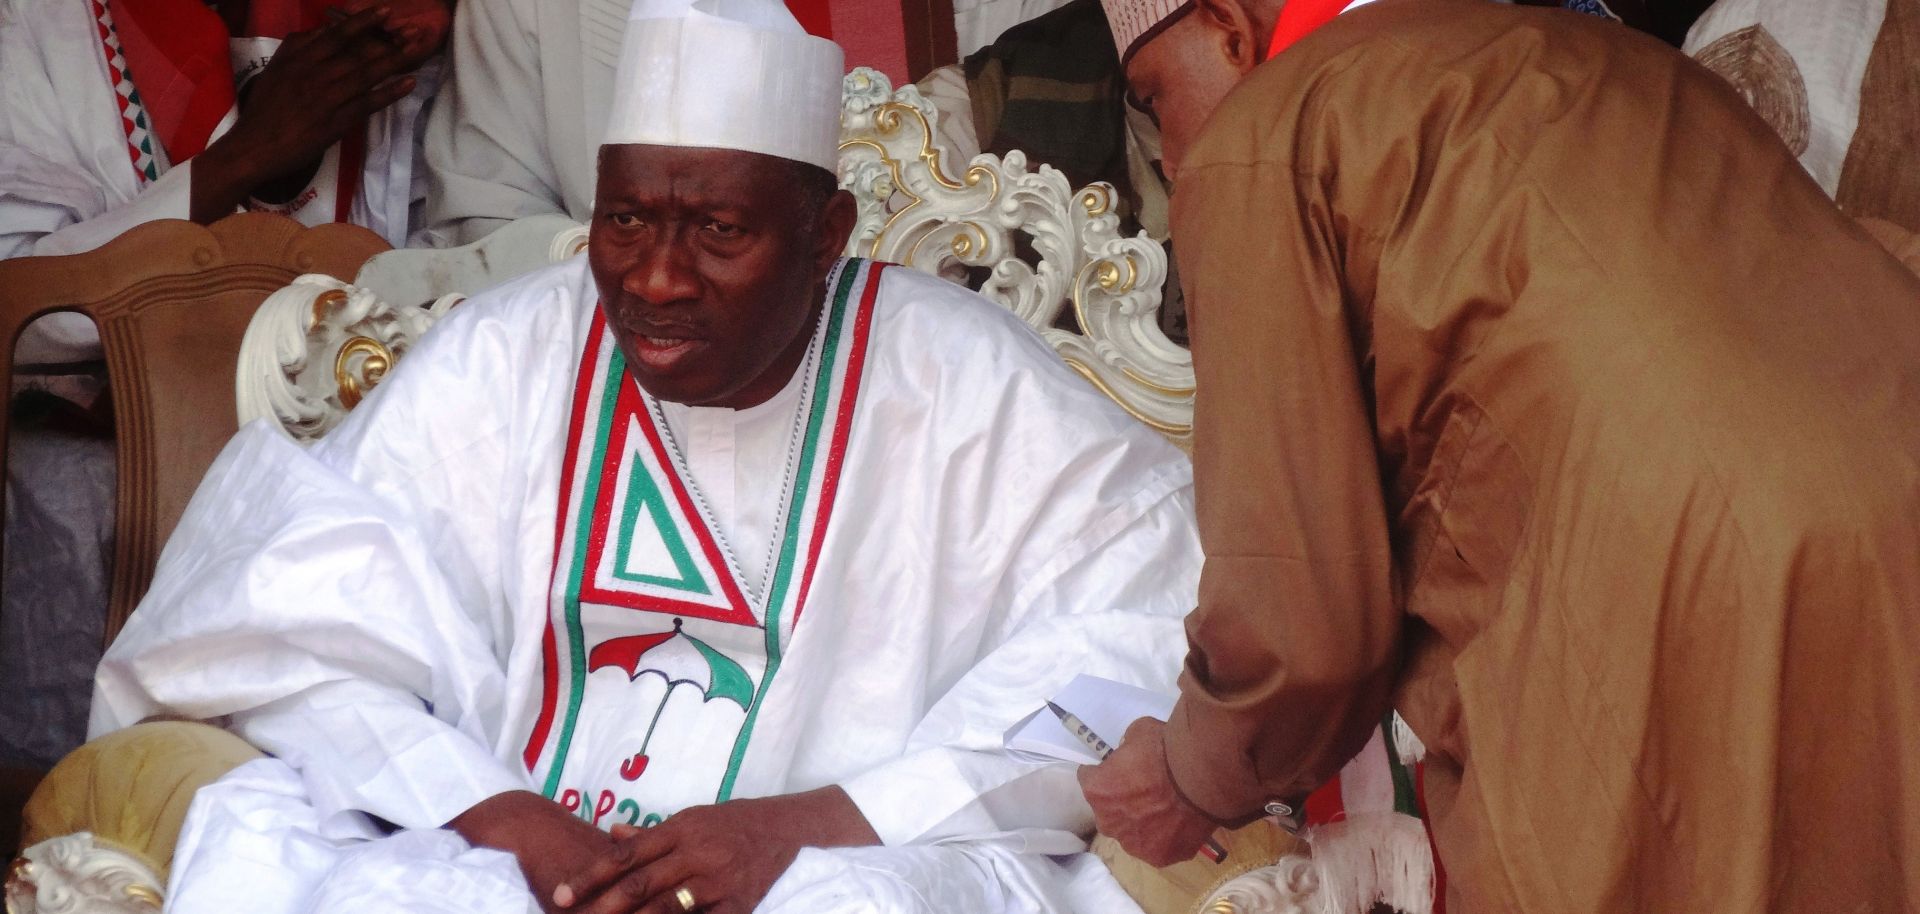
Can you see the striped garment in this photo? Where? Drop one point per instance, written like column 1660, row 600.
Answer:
column 133, row 112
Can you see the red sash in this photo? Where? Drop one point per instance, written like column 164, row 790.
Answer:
column 816, row 16
column 1299, row 18
column 176, row 54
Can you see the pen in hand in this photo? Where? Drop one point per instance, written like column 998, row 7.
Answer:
column 1100, row 749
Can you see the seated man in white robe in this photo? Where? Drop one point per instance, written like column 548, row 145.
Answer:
column 123, row 112
column 705, row 572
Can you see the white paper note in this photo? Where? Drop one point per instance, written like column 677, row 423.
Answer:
column 1105, row 706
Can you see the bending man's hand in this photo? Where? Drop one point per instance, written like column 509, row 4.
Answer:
column 725, row 856
column 1135, row 802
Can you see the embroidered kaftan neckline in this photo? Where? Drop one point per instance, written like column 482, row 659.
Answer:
column 807, row 377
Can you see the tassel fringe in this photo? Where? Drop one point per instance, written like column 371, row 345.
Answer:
column 1373, row 858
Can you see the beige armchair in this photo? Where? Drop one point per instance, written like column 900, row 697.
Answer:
column 171, row 300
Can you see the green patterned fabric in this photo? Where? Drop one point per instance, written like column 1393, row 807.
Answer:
column 1052, row 87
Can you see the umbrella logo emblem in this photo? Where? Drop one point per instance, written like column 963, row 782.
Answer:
column 679, row 659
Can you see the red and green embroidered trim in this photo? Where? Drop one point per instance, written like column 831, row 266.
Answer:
column 583, row 393
column 133, row 112
column 817, row 414
column 731, row 604
column 594, row 506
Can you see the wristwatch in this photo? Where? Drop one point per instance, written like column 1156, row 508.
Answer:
column 1290, row 816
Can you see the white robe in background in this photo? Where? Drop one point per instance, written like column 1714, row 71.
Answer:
column 518, row 128
column 372, row 612
column 67, row 184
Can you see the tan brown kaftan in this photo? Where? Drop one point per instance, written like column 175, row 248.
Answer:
column 1543, row 395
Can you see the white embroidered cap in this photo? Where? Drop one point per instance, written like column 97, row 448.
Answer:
column 1135, row 21
column 727, row 74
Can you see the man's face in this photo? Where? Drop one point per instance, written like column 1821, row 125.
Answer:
column 1181, row 75
column 710, row 264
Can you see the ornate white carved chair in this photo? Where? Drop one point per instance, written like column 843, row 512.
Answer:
column 319, row 344
column 73, row 874
column 915, row 211
column 1038, row 246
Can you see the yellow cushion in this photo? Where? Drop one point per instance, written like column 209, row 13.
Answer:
column 131, row 788
column 1183, row 887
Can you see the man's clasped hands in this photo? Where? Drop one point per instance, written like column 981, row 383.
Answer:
column 721, row 858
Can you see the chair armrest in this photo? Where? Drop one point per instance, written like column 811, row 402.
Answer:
column 131, row 789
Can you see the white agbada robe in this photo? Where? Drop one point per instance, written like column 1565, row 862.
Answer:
column 67, row 184
column 518, row 128
column 376, row 612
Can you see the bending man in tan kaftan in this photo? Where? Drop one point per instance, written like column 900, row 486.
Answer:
column 1544, row 397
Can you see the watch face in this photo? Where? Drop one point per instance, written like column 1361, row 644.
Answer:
column 1284, row 815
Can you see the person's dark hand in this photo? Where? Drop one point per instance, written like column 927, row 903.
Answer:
column 727, row 856
column 1135, row 802
column 550, row 843
column 318, row 86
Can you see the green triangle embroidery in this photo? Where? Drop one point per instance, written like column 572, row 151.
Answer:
column 643, row 496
